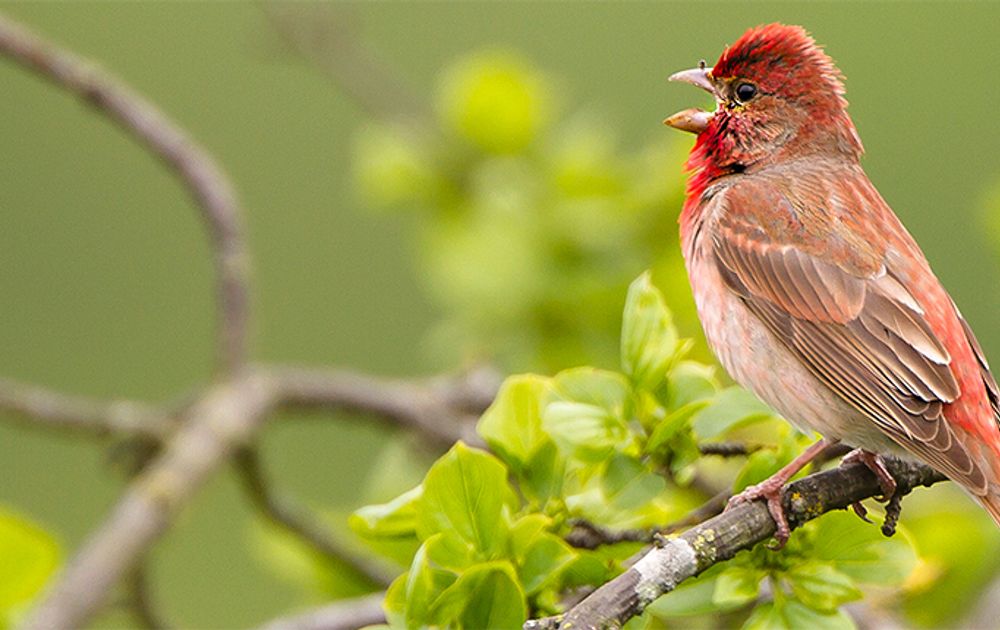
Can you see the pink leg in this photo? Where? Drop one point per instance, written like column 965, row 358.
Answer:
column 770, row 489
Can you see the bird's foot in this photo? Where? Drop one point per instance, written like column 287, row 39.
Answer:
column 770, row 491
column 861, row 511
column 874, row 463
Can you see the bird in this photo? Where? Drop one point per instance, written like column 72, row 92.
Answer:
column 810, row 291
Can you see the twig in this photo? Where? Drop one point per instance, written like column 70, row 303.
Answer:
column 196, row 169
column 587, row 535
column 727, row 449
column 38, row 406
column 326, row 36
column 226, row 415
column 721, row 537
column 443, row 409
column 140, row 601
column 342, row 615
column 305, row 526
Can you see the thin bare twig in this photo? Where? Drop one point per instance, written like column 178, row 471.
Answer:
column 139, row 600
column 297, row 520
column 343, row 615
column 442, row 409
column 728, row 449
column 38, row 406
column 326, row 36
column 587, row 535
column 197, row 170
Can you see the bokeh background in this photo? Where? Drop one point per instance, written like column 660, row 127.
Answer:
column 105, row 271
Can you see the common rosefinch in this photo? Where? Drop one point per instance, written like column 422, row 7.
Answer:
column 811, row 292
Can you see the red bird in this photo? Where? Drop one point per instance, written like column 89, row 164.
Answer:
column 811, row 292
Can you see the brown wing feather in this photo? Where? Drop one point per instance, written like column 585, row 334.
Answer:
column 863, row 335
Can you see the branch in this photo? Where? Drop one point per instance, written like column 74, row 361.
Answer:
column 140, row 601
column 43, row 407
column 196, row 169
column 443, row 409
column 327, row 37
column 720, row 538
column 342, row 615
column 226, row 415
column 296, row 520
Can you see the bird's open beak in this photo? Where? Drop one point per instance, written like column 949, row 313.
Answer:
column 693, row 120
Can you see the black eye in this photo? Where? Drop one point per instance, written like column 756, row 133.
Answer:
column 745, row 92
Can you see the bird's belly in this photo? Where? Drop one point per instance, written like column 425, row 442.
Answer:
column 759, row 361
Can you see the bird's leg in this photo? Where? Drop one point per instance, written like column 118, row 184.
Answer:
column 874, row 463
column 770, row 489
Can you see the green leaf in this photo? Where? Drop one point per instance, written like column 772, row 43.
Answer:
column 28, row 556
column 424, row 585
column 525, row 530
column 736, row 586
column 512, row 426
column 628, row 484
column 672, row 424
column 691, row 381
column 731, row 408
column 395, row 518
column 544, row 561
column 448, row 550
column 759, row 466
column 542, row 478
column 691, row 597
column 590, row 567
column 464, row 492
column 820, row 586
column 395, row 602
column 486, row 596
column 860, row 551
column 649, row 342
column 585, row 413
column 791, row 615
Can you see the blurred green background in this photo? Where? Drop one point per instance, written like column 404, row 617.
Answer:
column 105, row 269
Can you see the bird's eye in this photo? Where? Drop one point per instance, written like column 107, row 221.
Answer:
column 745, row 92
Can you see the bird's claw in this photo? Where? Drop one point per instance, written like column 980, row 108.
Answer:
column 874, row 463
column 861, row 511
column 770, row 491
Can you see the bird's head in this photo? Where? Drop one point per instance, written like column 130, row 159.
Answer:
column 776, row 93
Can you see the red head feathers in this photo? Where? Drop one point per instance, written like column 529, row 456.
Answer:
column 778, row 95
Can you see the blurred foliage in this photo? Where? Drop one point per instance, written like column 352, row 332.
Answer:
column 28, row 556
column 533, row 219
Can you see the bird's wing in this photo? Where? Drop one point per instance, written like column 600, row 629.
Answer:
column 851, row 321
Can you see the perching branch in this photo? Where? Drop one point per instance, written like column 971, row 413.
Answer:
column 342, row 615
column 720, row 538
column 197, row 170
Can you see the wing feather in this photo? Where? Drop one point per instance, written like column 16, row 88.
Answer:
column 857, row 328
